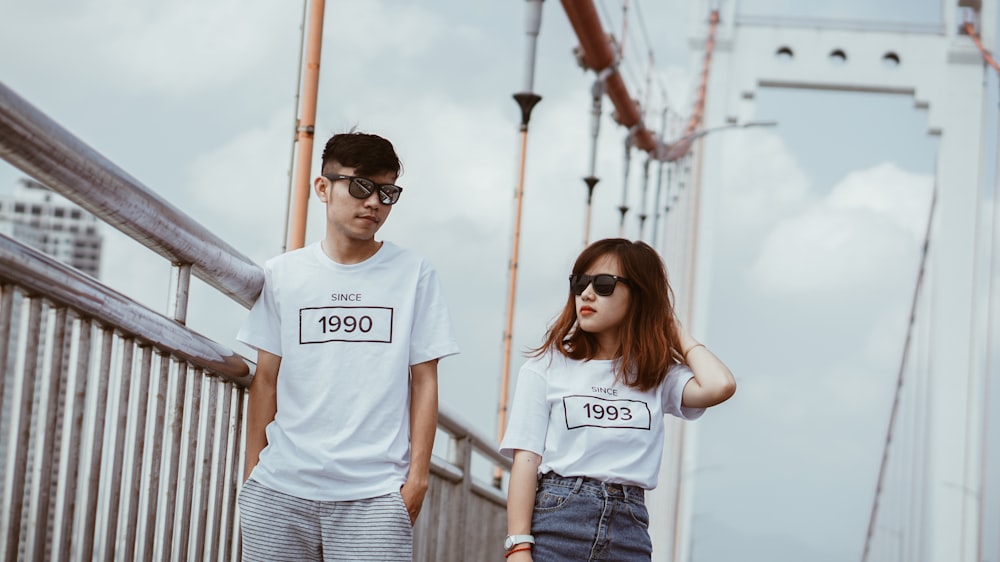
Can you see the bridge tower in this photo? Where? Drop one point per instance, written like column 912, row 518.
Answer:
column 940, row 67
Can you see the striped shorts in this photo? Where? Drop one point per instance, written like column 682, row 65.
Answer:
column 277, row 526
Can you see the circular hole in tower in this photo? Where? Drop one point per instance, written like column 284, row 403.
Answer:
column 784, row 54
column 838, row 56
column 890, row 60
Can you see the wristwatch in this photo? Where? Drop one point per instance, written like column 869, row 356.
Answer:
column 513, row 540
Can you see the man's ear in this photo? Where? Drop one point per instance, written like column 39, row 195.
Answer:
column 322, row 187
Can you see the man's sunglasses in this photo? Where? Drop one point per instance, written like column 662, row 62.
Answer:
column 604, row 283
column 362, row 188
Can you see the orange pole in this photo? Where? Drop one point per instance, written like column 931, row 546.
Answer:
column 586, row 222
column 307, row 126
column 512, row 290
column 526, row 101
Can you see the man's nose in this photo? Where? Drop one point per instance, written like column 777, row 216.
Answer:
column 374, row 200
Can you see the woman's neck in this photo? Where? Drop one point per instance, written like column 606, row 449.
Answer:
column 608, row 344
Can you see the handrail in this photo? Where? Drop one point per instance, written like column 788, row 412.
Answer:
column 69, row 287
column 461, row 430
column 42, row 148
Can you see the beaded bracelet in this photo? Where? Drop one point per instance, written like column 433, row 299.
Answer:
column 516, row 550
column 690, row 349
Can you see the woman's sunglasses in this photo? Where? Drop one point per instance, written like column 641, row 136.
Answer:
column 362, row 188
column 604, row 283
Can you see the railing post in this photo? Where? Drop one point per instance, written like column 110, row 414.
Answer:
column 222, row 437
column 6, row 316
column 120, row 429
column 75, row 404
column 464, row 458
column 173, row 460
column 186, row 470
column 152, row 478
column 90, row 500
column 235, row 478
column 203, row 483
column 133, row 486
column 12, row 522
column 182, row 280
column 49, row 446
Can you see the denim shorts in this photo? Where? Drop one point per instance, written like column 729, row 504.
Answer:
column 579, row 518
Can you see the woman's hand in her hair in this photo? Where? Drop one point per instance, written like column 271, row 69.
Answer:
column 713, row 382
column 683, row 336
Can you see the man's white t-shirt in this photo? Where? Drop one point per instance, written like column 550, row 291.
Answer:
column 583, row 423
column 347, row 335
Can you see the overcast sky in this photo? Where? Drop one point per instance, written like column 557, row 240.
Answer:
column 815, row 257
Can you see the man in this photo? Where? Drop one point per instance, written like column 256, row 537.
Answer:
column 343, row 406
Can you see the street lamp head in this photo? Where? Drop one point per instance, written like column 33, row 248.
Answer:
column 758, row 124
column 671, row 151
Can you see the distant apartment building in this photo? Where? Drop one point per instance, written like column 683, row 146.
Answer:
column 40, row 218
column 46, row 221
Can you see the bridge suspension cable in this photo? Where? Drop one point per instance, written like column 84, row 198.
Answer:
column 970, row 30
column 883, row 466
column 606, row 58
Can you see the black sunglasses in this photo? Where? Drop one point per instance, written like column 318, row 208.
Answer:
column 604, row 283
column 362, row 188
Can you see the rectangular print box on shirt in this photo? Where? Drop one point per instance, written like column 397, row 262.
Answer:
column 591, row 411
column 345, row 324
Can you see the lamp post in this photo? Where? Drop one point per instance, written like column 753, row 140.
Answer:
column 299, row 199
column 526, row 101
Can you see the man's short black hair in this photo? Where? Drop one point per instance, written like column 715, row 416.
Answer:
column 368, row 154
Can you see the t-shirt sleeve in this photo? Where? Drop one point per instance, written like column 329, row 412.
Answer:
column 673, row 392
column 262, row 328
column 432, row 336
column 529, row 415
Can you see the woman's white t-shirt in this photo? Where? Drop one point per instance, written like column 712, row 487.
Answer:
column 583, row 423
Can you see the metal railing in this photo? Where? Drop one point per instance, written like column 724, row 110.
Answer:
column 120, row 446
column 126, row 427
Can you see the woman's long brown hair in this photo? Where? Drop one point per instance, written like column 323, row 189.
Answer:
column 650, row 344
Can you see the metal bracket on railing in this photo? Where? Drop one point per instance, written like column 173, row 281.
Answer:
column 182, row 289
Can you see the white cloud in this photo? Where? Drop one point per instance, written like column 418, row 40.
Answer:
column 679, row 84
column 175, row 48
column 898, row 196
column 187, row 47
column 855, row 239
column 363, row 31
column 761, row 180
column 241, row 187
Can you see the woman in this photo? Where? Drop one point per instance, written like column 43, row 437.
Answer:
column 586, row 422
